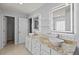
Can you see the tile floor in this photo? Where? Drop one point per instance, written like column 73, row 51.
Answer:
column 12, row 49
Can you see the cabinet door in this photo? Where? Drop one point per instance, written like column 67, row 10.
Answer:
column 45, row 50
column 35, row 47
column 28, row 43
column 54, row 52
column 22, row 29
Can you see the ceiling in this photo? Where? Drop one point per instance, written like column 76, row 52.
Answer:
column 25, row 8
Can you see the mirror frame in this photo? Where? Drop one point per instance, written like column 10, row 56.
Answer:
column 72, row 17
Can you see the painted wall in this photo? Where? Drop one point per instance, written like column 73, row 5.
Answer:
column 44, row 12
column 0, row 31
column 76, row 18
column 76, row 21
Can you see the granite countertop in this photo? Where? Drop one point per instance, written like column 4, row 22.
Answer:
column 45, row 40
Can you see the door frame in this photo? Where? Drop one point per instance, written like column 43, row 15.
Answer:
column 4, row 41
column 6, row 29
column 14, row 27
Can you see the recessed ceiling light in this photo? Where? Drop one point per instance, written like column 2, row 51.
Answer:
column 21, row 3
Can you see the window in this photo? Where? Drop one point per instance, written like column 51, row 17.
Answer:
column 60, row 26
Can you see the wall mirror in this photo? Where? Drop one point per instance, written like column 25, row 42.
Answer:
column 62, row 19
column 36, row 23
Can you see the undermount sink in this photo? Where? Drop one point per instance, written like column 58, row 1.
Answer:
column 56, row 41
column 44, row 40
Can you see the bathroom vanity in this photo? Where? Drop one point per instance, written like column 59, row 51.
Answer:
column 42, row 45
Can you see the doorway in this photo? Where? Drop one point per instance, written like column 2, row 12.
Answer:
column 10, row 29
column 30, row 25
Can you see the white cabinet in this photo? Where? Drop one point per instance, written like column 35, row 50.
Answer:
column 54, row 52
column 45, row 50
column 35, row 47
column 28, row 43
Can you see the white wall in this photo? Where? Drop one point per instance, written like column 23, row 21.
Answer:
column 76, row 21
column 16, row 30
column 76, row 18
column 0, row 32
column 44, row 12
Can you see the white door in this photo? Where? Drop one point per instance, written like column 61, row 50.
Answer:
column 0, row 32
column 4, row 31
column 22, row 29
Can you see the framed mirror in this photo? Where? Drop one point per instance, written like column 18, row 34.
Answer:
column 36, row 23
column 62, row 19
